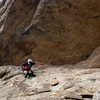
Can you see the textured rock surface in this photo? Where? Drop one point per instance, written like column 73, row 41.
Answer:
column 93, row 61
column 74, row 84
column 96, row 96
column 50, row 31
column 5, row 6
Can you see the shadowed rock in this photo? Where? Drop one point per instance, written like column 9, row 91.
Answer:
column 50, row 31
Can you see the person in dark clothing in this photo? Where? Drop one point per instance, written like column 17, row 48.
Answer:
column 26, row 67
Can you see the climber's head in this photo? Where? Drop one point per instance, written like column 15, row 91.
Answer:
column 29, row 60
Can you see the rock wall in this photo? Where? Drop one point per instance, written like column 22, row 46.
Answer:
column 5, row 6
column 50, row 31
column 50, row 83
column 93, row 61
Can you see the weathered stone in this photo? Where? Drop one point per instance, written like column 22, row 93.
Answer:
column 49, row 98
column 96, row 96
column 68, row 85
column 74, row 84
column 51, row 31
column 93, row 60
column 71, row 95
column 42, row 90
column 11, row 75
column 54, row 83
column 3, row 71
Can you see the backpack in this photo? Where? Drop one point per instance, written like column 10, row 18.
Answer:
column 25, row 66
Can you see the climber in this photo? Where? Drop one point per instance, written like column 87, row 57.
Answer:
column 26, row 67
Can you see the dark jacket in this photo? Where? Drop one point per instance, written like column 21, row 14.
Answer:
column 29, row 65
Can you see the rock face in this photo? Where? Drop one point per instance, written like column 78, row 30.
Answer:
column 96, row 96
column 5, row 6
column 93, row 61
column 51, row 83
column 50, row 31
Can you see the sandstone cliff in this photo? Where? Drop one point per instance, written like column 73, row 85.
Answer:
column 53, row 32
column 50, row 31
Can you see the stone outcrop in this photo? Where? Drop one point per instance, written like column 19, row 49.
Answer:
column 96, row 96
column 50, row 31
column 93, row 61
column 70, row 84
